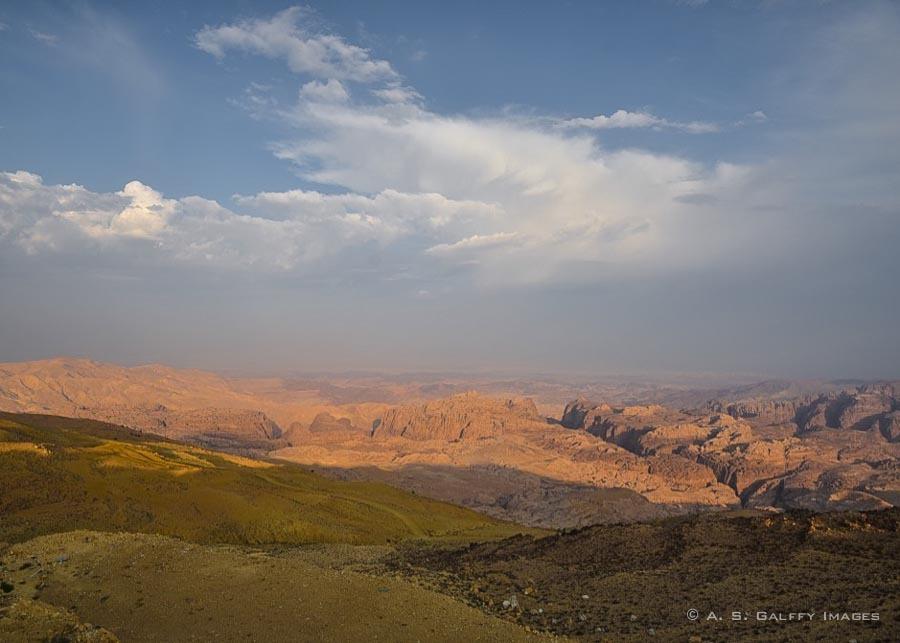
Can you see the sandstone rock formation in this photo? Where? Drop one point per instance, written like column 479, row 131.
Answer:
column 889, row 425
column 766, row 411
column 502, row 457
column 860, row 408
column 460, row 417
column 831, row 451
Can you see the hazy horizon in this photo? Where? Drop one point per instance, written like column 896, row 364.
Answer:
column 688, row 380
column 514, row 188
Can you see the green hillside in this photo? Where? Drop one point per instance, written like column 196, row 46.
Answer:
column 59, row 474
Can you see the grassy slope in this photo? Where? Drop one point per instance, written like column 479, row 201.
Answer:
column 58, row 474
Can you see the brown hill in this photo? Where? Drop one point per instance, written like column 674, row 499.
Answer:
column 184, row 404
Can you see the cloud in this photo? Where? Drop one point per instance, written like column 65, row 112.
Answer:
column 680, row 259
column 559, row 198
column 145, row 214
column 475, row 242
column 291, row 35
column 753, row 118
column 562, row 198
column 47, row 38
column 282, row 231
column 398, row 94
column 36, row 216
column 758, row 116
column 501, row 199
column 622, row 119
column 388, row 208
column 332, row 91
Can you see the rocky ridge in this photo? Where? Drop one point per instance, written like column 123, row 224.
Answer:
column 862, row 408
column 832, row 451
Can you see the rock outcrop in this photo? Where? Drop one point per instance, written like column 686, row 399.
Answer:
column 763, row 411
column 860, row 408
column 833, row 451
column 228, row 429
column 326, row 423
column 889, row 425
column 468, row 416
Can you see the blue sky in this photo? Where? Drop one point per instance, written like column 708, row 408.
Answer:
column 633, row 187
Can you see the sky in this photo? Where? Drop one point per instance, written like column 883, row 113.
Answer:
column 526, row 187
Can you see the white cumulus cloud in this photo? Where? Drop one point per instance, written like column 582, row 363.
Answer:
column 294, row 230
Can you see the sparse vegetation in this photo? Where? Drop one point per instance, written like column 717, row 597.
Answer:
column 622, row 581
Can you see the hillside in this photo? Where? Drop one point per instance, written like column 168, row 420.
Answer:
column 58, row 474
column 638, row 582
column 147, row 588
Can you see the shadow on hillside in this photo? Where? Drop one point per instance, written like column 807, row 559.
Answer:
column 518, row 496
